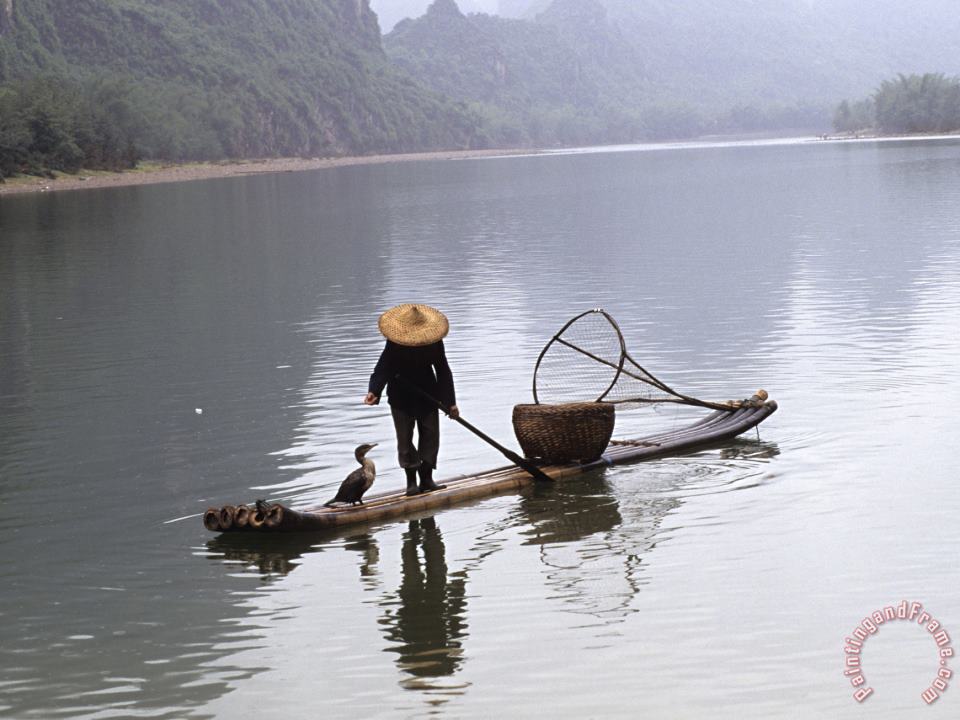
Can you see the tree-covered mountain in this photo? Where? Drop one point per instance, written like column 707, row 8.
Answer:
column 390, row 12
column 187, row 79
column 100, row 83
column 575, row 73
column 655, row 69
column 529, row 82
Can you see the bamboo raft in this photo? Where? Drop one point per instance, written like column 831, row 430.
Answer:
column 717, row 427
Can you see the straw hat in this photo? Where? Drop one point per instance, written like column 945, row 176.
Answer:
column 414, row 325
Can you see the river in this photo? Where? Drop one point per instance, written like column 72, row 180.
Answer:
column 170, row 347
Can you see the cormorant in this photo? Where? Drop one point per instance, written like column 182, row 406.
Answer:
column 359, row 481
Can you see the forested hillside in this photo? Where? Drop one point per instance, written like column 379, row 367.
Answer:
column 654, row 69
column 101, row 82
column 575, row 74
column 390, row 12
column 527, row 80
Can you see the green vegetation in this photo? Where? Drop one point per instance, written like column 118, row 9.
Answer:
column 101, row 83
column 47, row 124
column 649, row 69
column 918, row 103
column 573, row 75
column 927, row 103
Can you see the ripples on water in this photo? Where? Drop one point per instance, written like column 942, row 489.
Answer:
column 715, row 584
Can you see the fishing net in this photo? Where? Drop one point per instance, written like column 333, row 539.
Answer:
column 587, row 360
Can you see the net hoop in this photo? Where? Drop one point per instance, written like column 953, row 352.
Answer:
column 557, row 338
column 621, row 369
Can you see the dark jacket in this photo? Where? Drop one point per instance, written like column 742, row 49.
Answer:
column 425, row 366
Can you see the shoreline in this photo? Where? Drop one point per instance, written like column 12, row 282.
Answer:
column 151, row 174
column 871, row 135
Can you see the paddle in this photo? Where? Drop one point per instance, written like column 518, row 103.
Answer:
column 536, row 472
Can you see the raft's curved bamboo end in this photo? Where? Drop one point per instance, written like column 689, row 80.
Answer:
column 211, row 519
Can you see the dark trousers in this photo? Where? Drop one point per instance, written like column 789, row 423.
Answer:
column 428, row 437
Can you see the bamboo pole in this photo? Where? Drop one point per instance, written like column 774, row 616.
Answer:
column 241, row 517
column 227, row 514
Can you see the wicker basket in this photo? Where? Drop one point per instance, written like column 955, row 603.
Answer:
column 563, row 433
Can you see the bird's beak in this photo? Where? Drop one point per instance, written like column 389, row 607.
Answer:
column 373, row 445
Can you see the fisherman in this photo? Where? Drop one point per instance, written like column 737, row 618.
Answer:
column 414, row 356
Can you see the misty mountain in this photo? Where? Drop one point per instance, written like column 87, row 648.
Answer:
column 513, row 62
column 574, row 74
column 99, row 83
column 635, row 69
column 215, row 78
column 390, row 12
column 756, row 52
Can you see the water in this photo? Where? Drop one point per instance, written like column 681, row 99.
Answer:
column 719, row 584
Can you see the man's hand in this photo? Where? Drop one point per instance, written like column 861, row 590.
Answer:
column 454, row 412
column 371, row 399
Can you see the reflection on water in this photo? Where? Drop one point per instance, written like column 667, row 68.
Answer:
column 426, row 619
column 568, row 512
column 590, row 553
column 369, row 557
column 592, row 536
column 268, row 555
